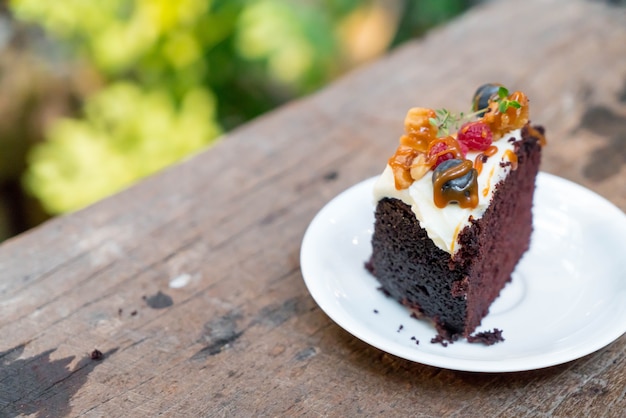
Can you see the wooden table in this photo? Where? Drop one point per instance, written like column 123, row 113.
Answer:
column 190, row 286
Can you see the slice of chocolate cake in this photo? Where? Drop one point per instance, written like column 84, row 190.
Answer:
column 453, row 214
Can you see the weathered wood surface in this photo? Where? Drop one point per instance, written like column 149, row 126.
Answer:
column 190, row 285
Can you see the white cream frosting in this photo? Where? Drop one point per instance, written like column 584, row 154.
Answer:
column 443, row 225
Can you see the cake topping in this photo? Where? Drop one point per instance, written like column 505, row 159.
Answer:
column 434, row 137
column 455, row 181
column 417, row 127
column 428, row 143
column 484, row 94
column 512, row 157
column 483, row 156
column 442, row 149
column 507, row 114
column 476, row 135
column 537, row 132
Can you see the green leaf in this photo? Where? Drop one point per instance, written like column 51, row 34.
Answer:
column 503, row 92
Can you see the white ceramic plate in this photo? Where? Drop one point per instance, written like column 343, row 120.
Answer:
column 567, row 298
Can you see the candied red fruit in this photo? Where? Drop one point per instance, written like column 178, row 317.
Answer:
column 444, row 149
column 475, row 135
column 438, row 149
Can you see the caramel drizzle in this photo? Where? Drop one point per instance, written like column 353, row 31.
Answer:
column 535, row 133
column 442, row 196
column 488, row 185
column 482, row 158
column 512, row 158
column 456, row 234
column 452, row 147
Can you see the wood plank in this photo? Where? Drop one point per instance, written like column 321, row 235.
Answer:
column 190, row 283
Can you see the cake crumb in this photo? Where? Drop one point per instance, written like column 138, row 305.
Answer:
column 375, row 311
column 486, row 337
column 417, row 342
column 96, row 355
column 438, row 339
column 444, row 338
column 400, row 328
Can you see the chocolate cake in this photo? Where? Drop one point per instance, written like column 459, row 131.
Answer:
column 453, row 214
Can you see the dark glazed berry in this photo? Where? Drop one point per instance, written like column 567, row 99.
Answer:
column 447, row 164
column 455, row 181
column 460, row 184
column 482, row 96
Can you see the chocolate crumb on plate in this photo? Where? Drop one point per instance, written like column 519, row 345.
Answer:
column 444, row 339
column 486, row 337
column 438, row 339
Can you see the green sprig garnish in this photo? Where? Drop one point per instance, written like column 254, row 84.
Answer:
column 503, row 101
column 446, row 120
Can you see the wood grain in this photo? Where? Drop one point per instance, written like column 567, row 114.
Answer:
column 189, row 282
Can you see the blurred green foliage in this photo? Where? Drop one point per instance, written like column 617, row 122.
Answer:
column 174, row 75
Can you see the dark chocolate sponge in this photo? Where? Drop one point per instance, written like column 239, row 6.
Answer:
column 456, row 292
